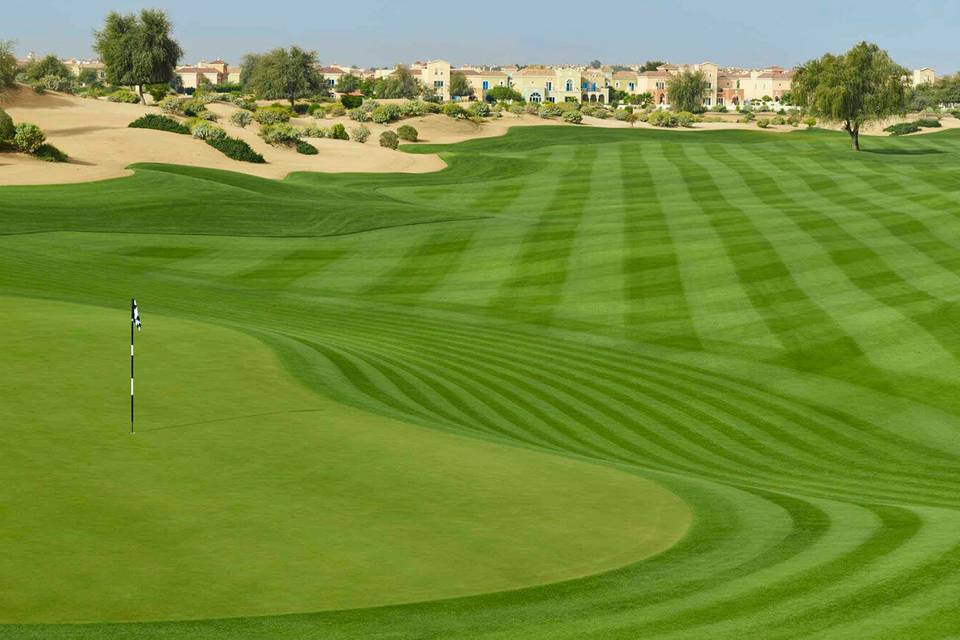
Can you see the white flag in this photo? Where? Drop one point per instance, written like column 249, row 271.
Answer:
column 136, row 314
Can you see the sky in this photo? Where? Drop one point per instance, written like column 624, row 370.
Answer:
column 381, row 33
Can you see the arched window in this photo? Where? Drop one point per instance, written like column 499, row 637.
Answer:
column 569, row 85
column 535, row 97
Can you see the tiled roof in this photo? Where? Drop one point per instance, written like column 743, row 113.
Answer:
column 654, row 74
column 196, row 70
column 330, row 70
column 535, row 71
column 625, row 75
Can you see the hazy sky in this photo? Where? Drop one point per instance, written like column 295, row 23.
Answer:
column 380, row 33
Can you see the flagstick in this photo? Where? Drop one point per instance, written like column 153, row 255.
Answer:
column 131, row 364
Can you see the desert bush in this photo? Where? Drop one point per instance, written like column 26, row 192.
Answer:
column 313, row 131
column 602, row 113
column 279, row 133
column 306, row 148
column 360, row 133
column 407, row 133
column 719, row 108
column 810, row 122
column 662, row 119
column 359, row 114
column 244, row 103
column 621, row 114
column 480, row 110
column 271, row 115
column 50, row 153
column 336, row 109
column 171, row 104
column 389, row 140
column 902, row 128
column 385, row 113
column 236, row 149
column 778, row 120
column 38, row 87
column 57, row 83
column 125, row 96
column 158, row 122
column 748, row 116
column 193, row 106
column 549, row 111
column 351, row 102
column 431, row 107
column 929, row 123
column 7, row 129
column 157, row 91
column 686, row 119
column 338, row 132
column 207, row 131
column 453, row 110
column 301, row 108
column 412, row 108
column 28, row 137
column 763, row 123
column 241, row 118
column 517, row 109
column 573, row 117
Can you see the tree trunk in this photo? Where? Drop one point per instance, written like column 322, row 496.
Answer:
column 854, row 135
column 140, row 91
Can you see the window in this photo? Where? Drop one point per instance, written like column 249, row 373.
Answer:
column 486, row 85
column 551, row 99
column 549, row 86
column 631, row 86
column 535, row 97
column 706, row 101
column 661, row 85
column 569, row 86
column 709, row 85
column 719, row 100
column 437, row 84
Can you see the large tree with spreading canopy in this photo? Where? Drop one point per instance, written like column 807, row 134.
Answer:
column 285, row 74
column 138, row 50
column 686, row 91
column 854, row 88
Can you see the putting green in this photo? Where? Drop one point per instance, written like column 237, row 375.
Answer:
column 244, row 493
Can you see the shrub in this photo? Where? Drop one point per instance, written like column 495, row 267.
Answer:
column 171, row 104
column 517, row 109
column 351, row 102
column 686, row 119
column 412, row 108
column 902, row 128
column 810, row 122
column 236, row 149
column 748, row 116
column 601, row 113
column 573, row 117
column 338, row 132
column 385, row 113
column 662, row 119
column 124, row 95
column 408, row 133
column 241, row 118
column 50, row 153
column 763, row 123
column 929, row 123
column 431, row 107
column 548, row 111
column 193, row 106
column 453, row 110
column 314, row 132
column 481, row 110
column 244, row 103
column 38, row 87
column 306, row 148
column 271, row 115
column 207, row 131
column 389, row 139
column 56, row 83
column 28, row 137
column 778, row 120
column 301, row 109
column 359, row 114
column 279, row 133
column 157, row 91
column 359, row 134
column 336, row 109
column 7, row 129
column 158, row 122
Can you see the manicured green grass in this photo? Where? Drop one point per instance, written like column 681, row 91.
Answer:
column 763, row 324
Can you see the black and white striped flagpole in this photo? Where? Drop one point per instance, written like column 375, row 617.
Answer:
column 132, row 323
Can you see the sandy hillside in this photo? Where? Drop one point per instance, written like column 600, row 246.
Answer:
column 95, row 135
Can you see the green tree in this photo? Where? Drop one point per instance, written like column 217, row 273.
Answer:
column 8, row 65
column 48, row 65
column 348, row 83
column 283, row 74
column 859, row 86
column 686, row 91
column 642, row 100
column 88, row 77
column 595, row 64
column 459, row 86
column 138, row 50
column 651, row 65
column 506, row 94
column 399, row 84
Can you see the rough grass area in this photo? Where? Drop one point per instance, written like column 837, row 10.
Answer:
column 375, row 389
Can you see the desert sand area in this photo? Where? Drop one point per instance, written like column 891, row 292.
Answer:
column 94, row 133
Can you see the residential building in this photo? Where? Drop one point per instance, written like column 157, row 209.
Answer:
column 331, row 76
column 76, row 66
column 191, row 76
column 924, row 76
column 435, row 76
column 482, row 80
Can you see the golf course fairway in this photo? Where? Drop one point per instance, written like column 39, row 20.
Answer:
column 580, row 384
